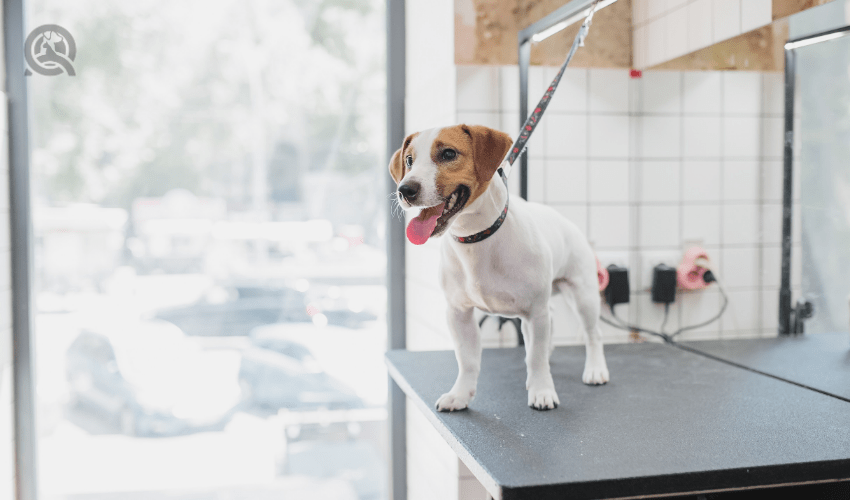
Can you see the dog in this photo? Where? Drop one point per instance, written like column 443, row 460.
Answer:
column 517, row 262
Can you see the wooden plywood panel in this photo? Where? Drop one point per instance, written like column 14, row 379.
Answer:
column 486, row 33
column 785, row 8
column 758, row 50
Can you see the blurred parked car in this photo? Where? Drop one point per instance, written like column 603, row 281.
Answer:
column 279, row 372
column 250, row 307
column 152, row 380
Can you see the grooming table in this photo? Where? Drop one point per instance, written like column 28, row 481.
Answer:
column 819, row 361
column 669, row 422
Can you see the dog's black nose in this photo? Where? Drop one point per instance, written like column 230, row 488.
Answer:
column 409, row 191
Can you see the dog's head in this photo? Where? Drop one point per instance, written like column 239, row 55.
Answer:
column 442, row 171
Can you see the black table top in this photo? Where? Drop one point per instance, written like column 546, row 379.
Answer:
column 670, row 421
column 820, row 361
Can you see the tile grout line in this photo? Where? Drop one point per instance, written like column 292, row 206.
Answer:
column 720, row 195
column 587, row 175
column 681, row 305
column 760, row 198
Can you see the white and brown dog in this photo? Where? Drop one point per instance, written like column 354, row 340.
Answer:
column 505, row 265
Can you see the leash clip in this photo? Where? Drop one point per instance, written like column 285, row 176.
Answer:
column 585, row 26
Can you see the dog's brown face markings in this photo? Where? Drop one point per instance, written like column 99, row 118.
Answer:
column 397, row 162
column 466, row 157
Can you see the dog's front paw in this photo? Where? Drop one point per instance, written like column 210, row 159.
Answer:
column 452, row 401
column 544, row 398
column 595, row 373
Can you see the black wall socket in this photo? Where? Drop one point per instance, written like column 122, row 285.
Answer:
column 663, row 284
column 618, row 290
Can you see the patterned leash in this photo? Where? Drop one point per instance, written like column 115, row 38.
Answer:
column 527, row 129
column 534, row 119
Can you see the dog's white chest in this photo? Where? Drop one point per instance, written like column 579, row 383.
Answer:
column 489, row 281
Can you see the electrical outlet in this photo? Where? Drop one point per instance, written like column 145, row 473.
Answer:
column 650, row 259
column 620, row 259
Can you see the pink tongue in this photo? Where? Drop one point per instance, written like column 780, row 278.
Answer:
column 421, row 227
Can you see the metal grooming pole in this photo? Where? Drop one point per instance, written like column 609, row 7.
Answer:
column 562, row 13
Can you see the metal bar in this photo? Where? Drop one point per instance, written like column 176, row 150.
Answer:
column 524, row 62
column 397, row 332
column 21, row 262
column 564, row 12
column 787, row 195
column 824, row 34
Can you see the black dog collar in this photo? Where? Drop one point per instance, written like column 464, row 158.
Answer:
column 483, row 235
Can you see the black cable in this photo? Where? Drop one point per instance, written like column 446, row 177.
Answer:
column 622, row 325
column 713, row 319
column 666, row 317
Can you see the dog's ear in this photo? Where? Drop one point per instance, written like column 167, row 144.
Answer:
column 397, row 161
column 489, row 148
column 397, row 166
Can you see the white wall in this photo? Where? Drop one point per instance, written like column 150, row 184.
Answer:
column 666, row 29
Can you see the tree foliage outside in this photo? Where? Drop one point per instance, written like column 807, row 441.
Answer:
column 236, row 99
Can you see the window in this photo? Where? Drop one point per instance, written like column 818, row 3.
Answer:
column 209, row 210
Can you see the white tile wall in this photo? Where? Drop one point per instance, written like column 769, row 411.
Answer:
column 742, row 93
column 610, row 226
column 701, row 136
column 431, row 84
column 660, row 181
column 755, row 13
column 661, row 92
column 701, row 223
column 741, row 180
column 660, row 136
column 666, row 29
column 677, row 33
column 726, row 19
column 702, row 92
column 566, row 181
column 701, row 180
column 609, row 181
column 608, row 90
column 649, row 166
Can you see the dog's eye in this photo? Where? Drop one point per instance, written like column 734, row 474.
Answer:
column 449, row 154
column 408, row 161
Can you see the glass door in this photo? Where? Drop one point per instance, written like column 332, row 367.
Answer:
column 823, row 117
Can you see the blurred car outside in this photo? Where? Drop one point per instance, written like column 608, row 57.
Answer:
column 151, row 380
column 278, row 371
column 244, row 308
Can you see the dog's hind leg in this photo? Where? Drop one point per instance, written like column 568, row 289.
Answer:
column 538, row 340
column 584, row 299
column 467, row 340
